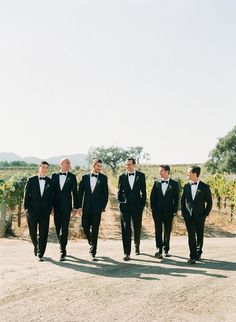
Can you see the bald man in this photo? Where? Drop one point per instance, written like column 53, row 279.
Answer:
column 65, row 187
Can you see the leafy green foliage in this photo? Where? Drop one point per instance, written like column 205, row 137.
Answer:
column 12, row 191
column 6, row 164
column 223, row 157
column 114, row 155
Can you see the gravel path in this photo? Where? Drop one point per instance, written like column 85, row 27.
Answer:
column 144, row 289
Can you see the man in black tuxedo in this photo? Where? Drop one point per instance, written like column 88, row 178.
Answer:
column 196, row 204
column 65, row 186
column 38, row 200
column 132, row 200
column 164, row 204
column 93, row 197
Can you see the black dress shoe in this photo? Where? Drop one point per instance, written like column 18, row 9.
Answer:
column 126, row 258
column 62, row 258
column 159, row 256
column 191, row 261
column 167, row 255
column 94, row 258
column 137, row 251
column 40, row 259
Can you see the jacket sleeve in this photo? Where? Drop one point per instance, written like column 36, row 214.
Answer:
column 176, row 197
column 120, row 193
column 143, row 191
column 152, row 196
column 105, row 193
column 52, row 196
column 208, row 199
column 81, row 192
column 183, row 205
column 28, row 194
column 74, row 192
column 53, row 181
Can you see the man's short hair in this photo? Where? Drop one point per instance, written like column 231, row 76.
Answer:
column 166, row 167
column 131, row 159
column 196, row 169
column 95, row 161
column 43, row 162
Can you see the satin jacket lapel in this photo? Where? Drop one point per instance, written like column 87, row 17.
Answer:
column 88, row 183
column 45, row 186
column 37, row 185
column 169, row 186
column 58, row 180
column 67, row 180
column 127, row 181
column 189, row 193
column 136, row 179
column 199, row 189
column 159, row 187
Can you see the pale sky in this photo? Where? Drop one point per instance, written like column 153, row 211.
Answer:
column 75, row 74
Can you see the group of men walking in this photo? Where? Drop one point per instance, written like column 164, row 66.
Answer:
column 61, row 196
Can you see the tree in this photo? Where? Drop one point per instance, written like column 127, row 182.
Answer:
column 114, row 155
column 223, row 157
column 137, row 153
column 111, row 156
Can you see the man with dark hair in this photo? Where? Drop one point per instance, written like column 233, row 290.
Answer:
column 164, row 204
column 132, row 199
column 196, row 204
column 65, row 186
column 38, row 200
column 93, row 197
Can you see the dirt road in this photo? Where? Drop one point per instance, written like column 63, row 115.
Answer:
column 143, row 289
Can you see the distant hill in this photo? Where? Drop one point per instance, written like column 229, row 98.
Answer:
column 10, row 156
column 76, row 159
column 32, row 160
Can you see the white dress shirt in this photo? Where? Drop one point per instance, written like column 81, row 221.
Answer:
column 41, row 185
column 62, row 180
column 164, row 186
column 194, row 188
column 93, row 181
column 131, row 179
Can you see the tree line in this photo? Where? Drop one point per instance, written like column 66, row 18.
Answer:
column 113, row 156
column 7, row 164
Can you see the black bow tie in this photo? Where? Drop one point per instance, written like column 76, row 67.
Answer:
column 163, row 181
column 94, row 175
column 193, row 183
column 42, row 178
column 62, row 174
column 131, row 174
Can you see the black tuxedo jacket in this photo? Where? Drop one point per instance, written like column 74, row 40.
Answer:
column 93, row 202
column 167, row 204
column 132, row 198
column 63, row 198
column 33, row 201
column 202, row 203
